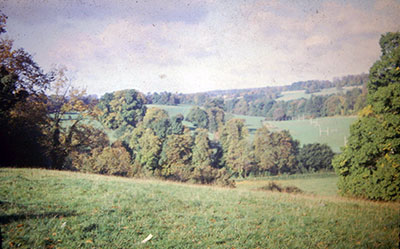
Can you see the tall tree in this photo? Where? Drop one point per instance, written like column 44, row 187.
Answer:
column 22, row 105
column 202, row 151
column 275, row 152
column 177, row 157
column 369, row 165
column 235, row 146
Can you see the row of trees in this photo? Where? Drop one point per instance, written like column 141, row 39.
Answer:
column 347, row 103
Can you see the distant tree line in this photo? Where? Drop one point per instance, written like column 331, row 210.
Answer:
column 264, row 101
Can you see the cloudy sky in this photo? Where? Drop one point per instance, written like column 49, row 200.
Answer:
column 199, row 45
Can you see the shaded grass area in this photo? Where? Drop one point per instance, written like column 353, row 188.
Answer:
column 42, row 208
column 321, row 184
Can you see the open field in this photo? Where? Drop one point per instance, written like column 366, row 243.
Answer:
column 308, row 131
column 175, row 110
column 56, row 209
column 292, row 95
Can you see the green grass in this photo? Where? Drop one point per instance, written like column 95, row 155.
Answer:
column 305, row 132
column 292, row 95
column 41, row 208
column 175, row 110
column 321, row 184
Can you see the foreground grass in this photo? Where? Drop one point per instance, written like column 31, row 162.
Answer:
column 42, row 208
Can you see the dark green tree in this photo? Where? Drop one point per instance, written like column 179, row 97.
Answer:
column 198, row 117
column 122, row 109
column 369, row 165
column 314, row 157
column 275, row 152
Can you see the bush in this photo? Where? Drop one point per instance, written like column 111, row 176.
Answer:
column 273, row 186
column 315, row 157
column 210, row 175
column 107, row 161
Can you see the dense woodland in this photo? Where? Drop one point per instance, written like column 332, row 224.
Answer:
column 69, row 130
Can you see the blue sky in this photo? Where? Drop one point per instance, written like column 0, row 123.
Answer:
column 200, row 45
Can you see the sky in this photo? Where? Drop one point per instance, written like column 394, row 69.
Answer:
column 200, row 45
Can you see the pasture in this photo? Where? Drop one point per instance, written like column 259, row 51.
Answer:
column 332, row 131
column 292, row 95
column 56, row 209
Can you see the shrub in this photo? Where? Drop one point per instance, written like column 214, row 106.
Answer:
column 273, row 186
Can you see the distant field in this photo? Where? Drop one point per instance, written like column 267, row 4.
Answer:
column 308, row 131
column 292, row 95
column 55, row 209
column 175, row 110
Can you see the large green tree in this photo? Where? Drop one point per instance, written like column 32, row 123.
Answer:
column 369, row 165
column 122, row 109
column 275, row 152
column 198, row 117
column 236, row 149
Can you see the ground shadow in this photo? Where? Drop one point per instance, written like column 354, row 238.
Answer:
column 6, row 219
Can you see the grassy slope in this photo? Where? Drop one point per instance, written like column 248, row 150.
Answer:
column 70, row 210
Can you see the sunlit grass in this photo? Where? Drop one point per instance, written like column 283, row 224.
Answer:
column 42, row 208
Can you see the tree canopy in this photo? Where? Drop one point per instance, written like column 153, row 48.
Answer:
column 369, row 165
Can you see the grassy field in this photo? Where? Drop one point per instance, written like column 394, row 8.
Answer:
column 307, row 131
column 175, row 110
column 292, row 95
column 55, row 209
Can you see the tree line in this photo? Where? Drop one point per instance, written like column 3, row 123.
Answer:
column 264, row 102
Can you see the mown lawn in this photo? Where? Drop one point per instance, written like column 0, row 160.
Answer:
column 55, row 209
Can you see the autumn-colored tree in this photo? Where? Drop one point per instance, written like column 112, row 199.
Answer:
column 22, row 108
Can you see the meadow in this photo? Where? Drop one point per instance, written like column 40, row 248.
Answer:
column 292, row 95
column 56, row 209
column 308, row 131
